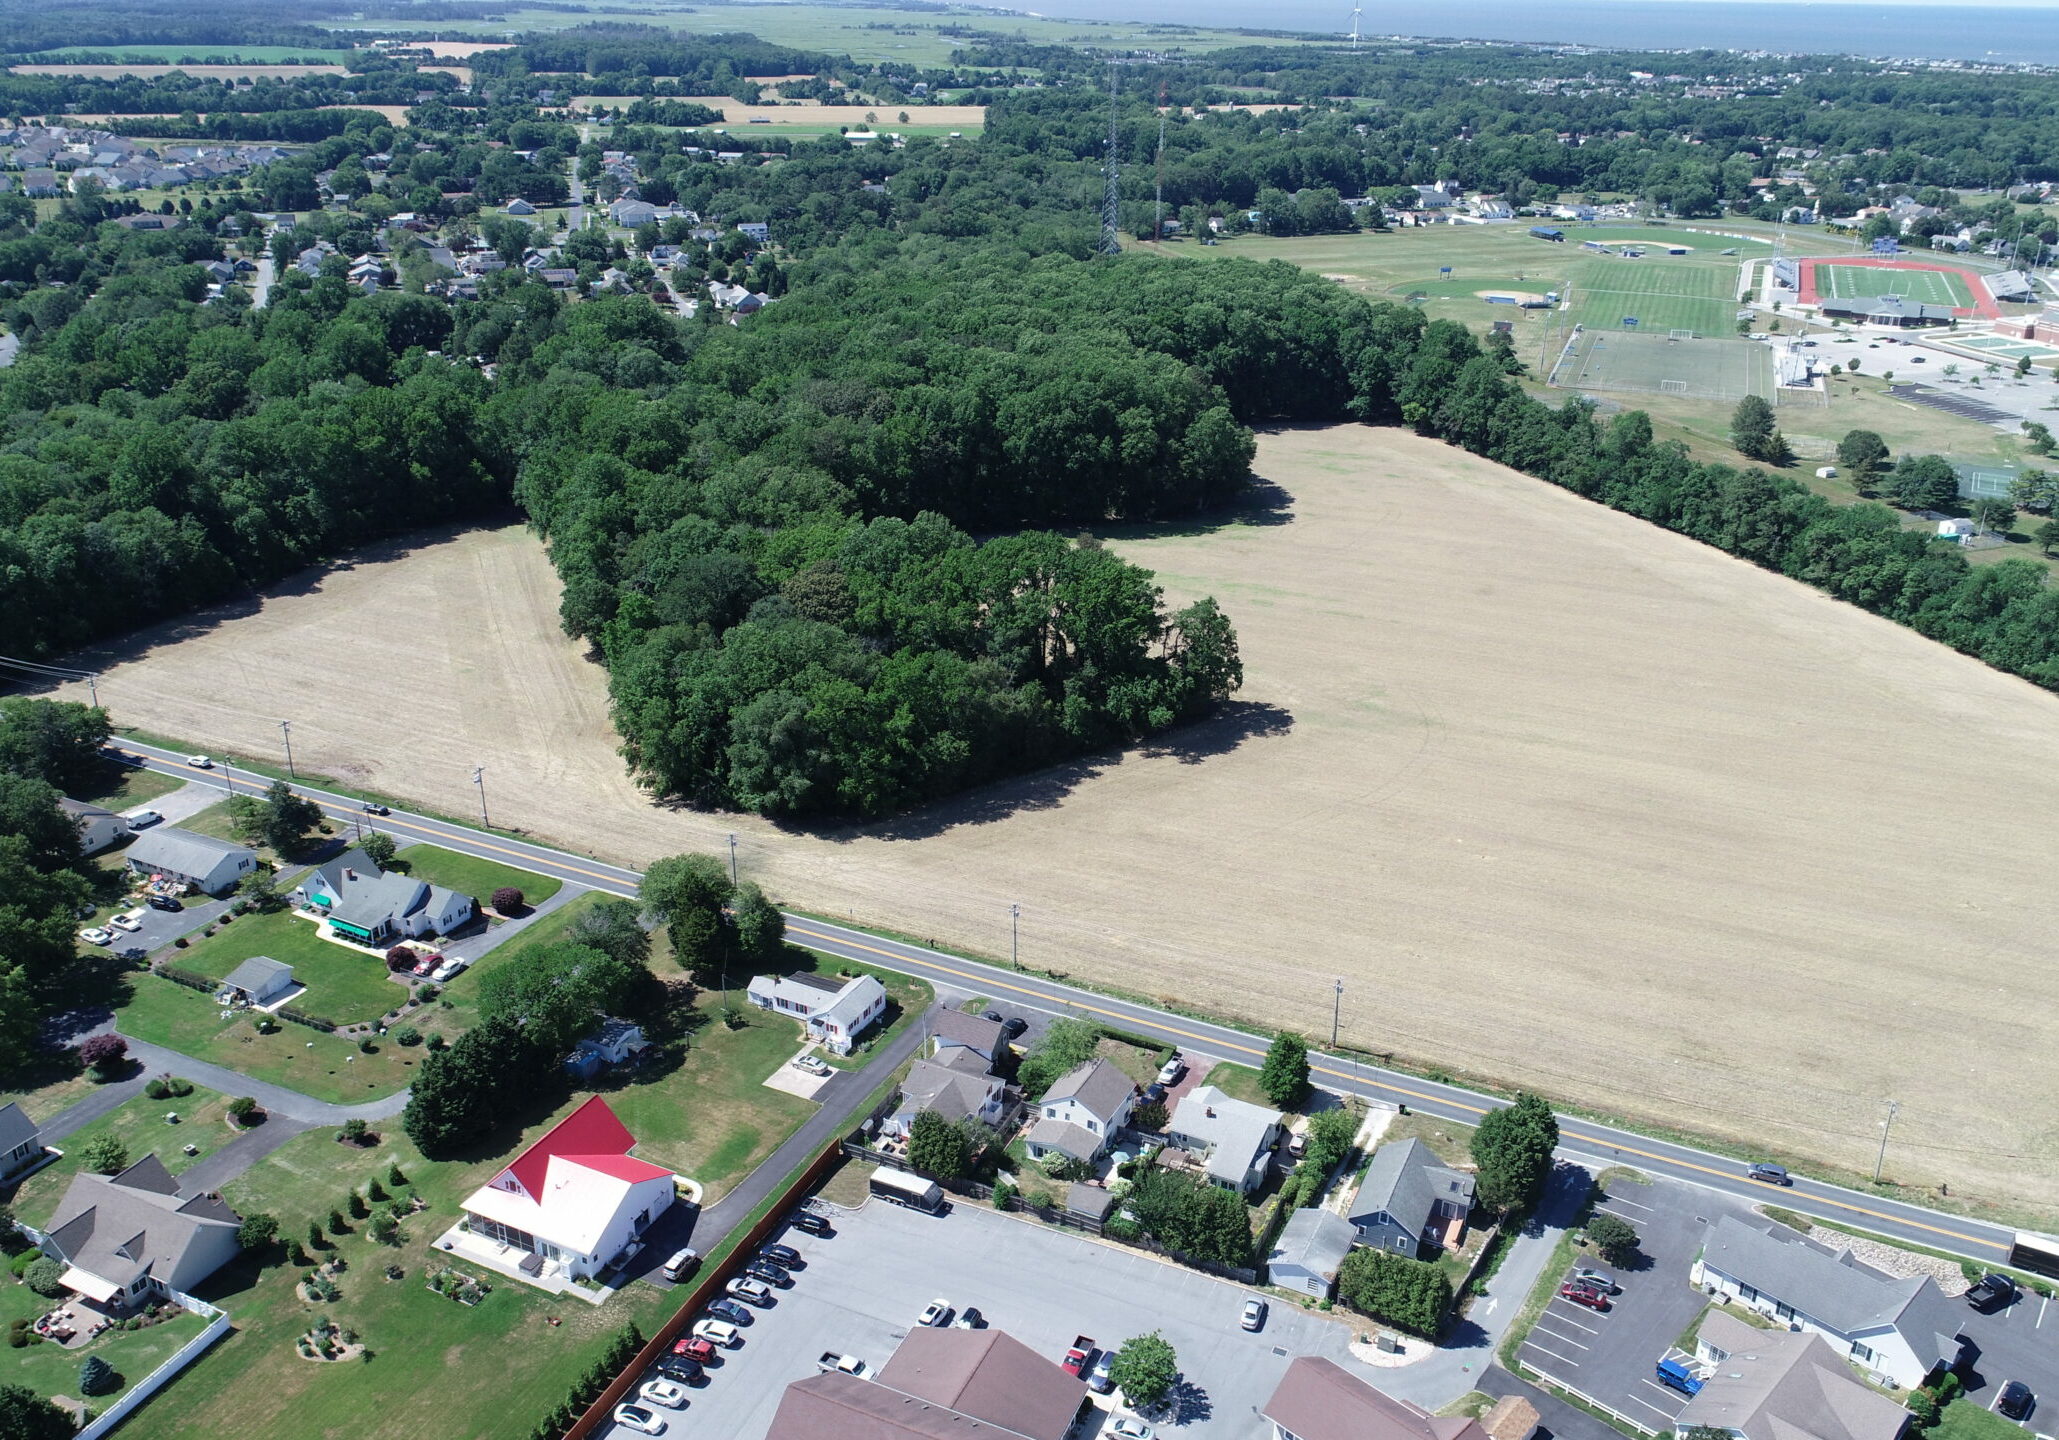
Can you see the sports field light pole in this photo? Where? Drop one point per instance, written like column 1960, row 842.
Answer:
column 286, row 729
column 1894, row 1108
column 479, row 779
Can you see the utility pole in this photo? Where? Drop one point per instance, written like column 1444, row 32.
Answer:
column 286, row 729
column 1111, row 189
column 1894, row 1108
column 1015, row 935
column 479, row 779
column 1158, row 198
column 732, row 859
column 93, row 688
column 1336, row 1012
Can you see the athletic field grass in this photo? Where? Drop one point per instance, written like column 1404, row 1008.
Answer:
column 1661, row 292
column 1864, row 282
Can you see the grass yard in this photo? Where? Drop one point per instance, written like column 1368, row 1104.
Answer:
column 343, row 985
column 1664, row 292
column 907, row 998
column 117, row 787
column 1140, row 1064
column 1966, row 1420
column 324, row 1066
column 1451, row 1142
column 51, row 1370
column 469, row 875
column 141, row 1127
column 1239, row 1082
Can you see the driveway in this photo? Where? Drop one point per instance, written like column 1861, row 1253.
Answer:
column 183, row 803
column 862, row 1289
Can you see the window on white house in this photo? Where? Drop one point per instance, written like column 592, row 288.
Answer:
column 1862, row 1354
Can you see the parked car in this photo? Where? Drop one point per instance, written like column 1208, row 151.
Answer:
column 129, row 920
column 1769, row 1174
column 969, row 1319
column 680, row 1368
column 370, row 809
column 1992, row 1292
column 97, row 936
column 144, row 819
column 2015, row 1401
column 1154, row 1094
column 809, row 1221
column 1676, row 1374
column 200, row 762
column 668, row 1393
column 1170, row 1072
column 770, row 1273
column 699, row 1348
column 813, row 1064
column 717, row 1332
column 937, row 1313
column 428, row 963
column 1584, row 1295
column 1916, row 359
column 1080, row 1355
column 730, row 1311
column 635, row 1417
column 1011, row 1029
column 830, row 1360
column 1101, row 1375
column 450, row 969
column 165, row 902
column 780, row 1255
column 1131, row 1428
column 751, row 1292
column 682, row 1264
column 1253, row 1317
column 1597, row 1279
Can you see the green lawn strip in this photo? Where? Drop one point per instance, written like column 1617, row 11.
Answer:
column 1450, row 1141
column 50, row 1369
column 322, row 1065
column 345, row 986
column 56, row 1092
column 1967, row 1420
column 1239, row 1082
column 461, row 1011
column 1555, row 1266
column 1472, row 1405
column 470, row 875
column 117, row 787
column 141, row 1127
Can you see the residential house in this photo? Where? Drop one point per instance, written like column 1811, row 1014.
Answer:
column 834, row 1010
column 1779, row 1385
column 130, row 1238
column 20, row 1145
column 576, row 1199
column 958, row 1087
column 1901, row 1330
column 1431, row 197
column 755, row 231
column 957, row 1030
column 558, row 277
column 1409, row 1199
column 631, row 213
column 41, row 184
column 939, row 1385
column 1081, row 1113
column 616, row 1042
column 519, row 206
column 368, row 906
column 1310, row 1247
column 98, row 828
column 1233, row 1139
column 1318, row 1399
column 207, row 864
column 259, row 981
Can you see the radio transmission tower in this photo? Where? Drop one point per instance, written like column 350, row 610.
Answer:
column 1357, row 12
column 1158, row 198
column 1111, row 194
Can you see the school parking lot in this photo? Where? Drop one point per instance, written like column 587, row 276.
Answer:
column 863, row 1288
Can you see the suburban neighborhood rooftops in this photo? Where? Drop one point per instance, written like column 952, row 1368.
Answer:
column 843, row 1407
column 80, row 810
column 1065, row 1137
column 1092, row 1201
column 1099, row 1086
column 183, row 852
column 956, row 1027
column 257, row 974
column 120, row 1228
column 1784, row 1385
column 1315, row 1239
column 942, row 1088
column 986, row 1374
column 1318, row 1400
column 1405, row 1181
column 16, row 1128
column 1832, row 1288
column 1234, row 1130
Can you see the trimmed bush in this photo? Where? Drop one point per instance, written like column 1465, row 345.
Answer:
column 45, row 1277
column 507, row 899
column 104, row 1055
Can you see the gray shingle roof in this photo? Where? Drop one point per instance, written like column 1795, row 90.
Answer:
column 257, row 974
column 15, row 1127
column 124, row 1226
column 184, row 852
column 1406, row 1181
column 1099, row 1085
column 1785, row 1385
column 1065, row 1137
column 1232, row 1129
column 962, row 1029
column 1831, row 1287
column 931, row 1086
column 1314, row 1239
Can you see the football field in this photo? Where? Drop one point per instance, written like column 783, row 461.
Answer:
column 1865, row 282
column 1660, row 292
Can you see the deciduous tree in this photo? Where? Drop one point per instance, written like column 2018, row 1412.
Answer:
column 1145, row 1369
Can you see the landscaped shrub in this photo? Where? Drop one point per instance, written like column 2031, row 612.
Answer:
column 45, row 1277
column 104, row 1155
column 358, row 1209
column 243, row 1109
column 97, row 1377
column 155, row 1090
column 367, row 1046
column 400, row 957
column 104, row 1055
column 353, row 1131
column 507, row 899
column 408, row 1035
column 1004, row 1192
column 394, row 1175
column 1407, row 1294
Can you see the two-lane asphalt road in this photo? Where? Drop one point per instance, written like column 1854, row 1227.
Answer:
column 1011, row 989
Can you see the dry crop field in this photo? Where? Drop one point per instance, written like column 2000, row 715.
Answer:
column 198, row 72
column 814, row 116
column 1566, row 801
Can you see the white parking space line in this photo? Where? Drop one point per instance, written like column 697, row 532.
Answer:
column 1564, row 1339
column 1620, row 1200
column 1604, row 1209
column 1657, row 1409
column 1675, row 1396
column 1565, row 1319
column 1553, row 1355
column 2042, row 1304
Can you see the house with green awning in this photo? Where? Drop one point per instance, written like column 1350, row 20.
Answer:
column 369, row 906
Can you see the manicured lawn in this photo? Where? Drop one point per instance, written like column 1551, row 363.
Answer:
column 1139, row 1064
column 141, row 1127
column 469, row 875
column 117, row 787
column 50, row 1370
column 324, row 1066
column 1966, row 1420
column 43, row 1101
column 1239, row 1082
column 343, row 985
column 1452, row 1143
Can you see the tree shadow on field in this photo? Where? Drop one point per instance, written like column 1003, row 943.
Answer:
column 1231, row 725
column 138, row 644
column 1262, row 503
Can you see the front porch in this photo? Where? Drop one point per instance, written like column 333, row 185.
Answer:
column 512, row 1261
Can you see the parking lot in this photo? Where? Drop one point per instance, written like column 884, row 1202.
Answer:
column 2017, row 1342
column 862, row 1288
column 1609, row 1356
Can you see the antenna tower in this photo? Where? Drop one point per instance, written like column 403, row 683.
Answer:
column 1111, row 194
column 1357, row 11
column 1158, row 200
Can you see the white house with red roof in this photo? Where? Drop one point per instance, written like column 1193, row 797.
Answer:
column 572, row 1202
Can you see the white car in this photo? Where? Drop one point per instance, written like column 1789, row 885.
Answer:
column 813, row 1064
column 200, row 762
column 668, row 1393
column 449, row 969
column 1170, row 1072
column 635, row 1417
column 937, row 1313
column 144, row 819
column 718, row 1332
column 751, row 1292
column 129, row 920
column 1131, row 1428
column 97, row 936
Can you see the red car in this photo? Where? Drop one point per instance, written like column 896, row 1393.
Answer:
column 1079, row 1356
column 1586, row 1295
column 428, row 962
column 694, row 1348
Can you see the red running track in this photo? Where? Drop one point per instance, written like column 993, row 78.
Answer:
column 1983, row 303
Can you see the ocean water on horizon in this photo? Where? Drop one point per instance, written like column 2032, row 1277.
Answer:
column 2011, row 34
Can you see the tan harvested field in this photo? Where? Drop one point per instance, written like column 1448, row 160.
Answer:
column 393, row 115
column 1566, row 800
column 198, row 72
column 968, row 117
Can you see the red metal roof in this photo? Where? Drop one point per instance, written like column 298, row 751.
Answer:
column 622, row 1167
column 587, row 1136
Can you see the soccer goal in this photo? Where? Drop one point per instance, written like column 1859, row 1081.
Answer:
column 1673, row 387
column 1679, row 334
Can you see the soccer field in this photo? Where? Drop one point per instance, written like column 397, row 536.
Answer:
column 1662, row 292
column 1864, row 282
